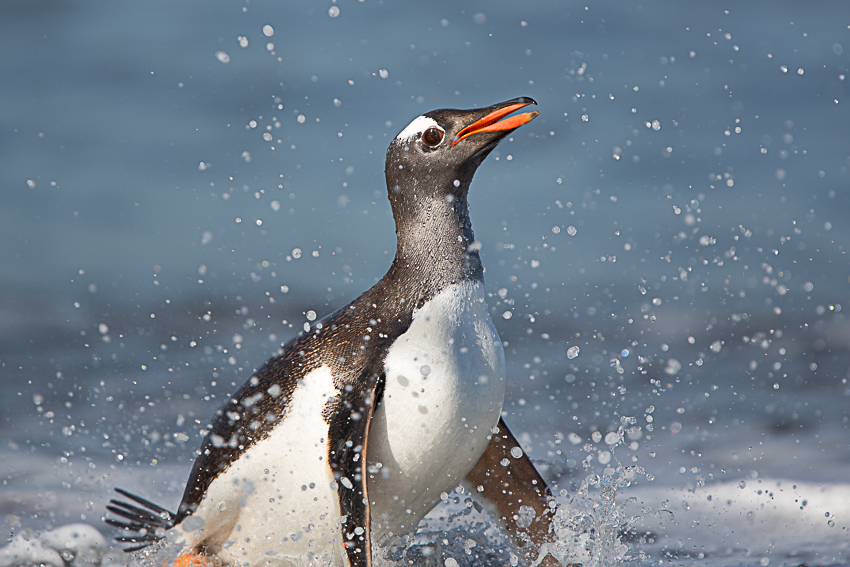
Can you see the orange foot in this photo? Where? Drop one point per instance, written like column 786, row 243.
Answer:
column 193, row 560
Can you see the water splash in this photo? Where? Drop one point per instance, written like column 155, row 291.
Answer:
column 593, row 527
column 477, row 545
column 457, row 533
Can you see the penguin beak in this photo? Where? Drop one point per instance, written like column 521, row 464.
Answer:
column 497, row 119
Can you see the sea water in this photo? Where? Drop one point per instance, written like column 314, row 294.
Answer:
column 185, row 186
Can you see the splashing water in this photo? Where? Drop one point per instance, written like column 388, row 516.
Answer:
column 590, row 529
column 476, row 545
column 458, row 533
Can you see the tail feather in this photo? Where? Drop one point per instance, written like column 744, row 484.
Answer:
column 143, row 523
column 137, row 514
column 129, row 526
column 135, row 548
column 136, row 539
column 146, row 503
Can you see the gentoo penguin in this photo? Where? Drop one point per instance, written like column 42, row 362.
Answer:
column 354, row 429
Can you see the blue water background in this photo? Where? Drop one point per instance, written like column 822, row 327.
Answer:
column 678, row 212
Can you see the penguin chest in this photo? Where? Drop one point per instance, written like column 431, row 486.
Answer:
column 444, row 388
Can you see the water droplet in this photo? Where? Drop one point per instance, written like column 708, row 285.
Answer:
column 525, row 517
column 222, row 56
column 572, row 352
column 425, row 370
column 333, row 11
column 516, row 452
column 673, row 366
column 268, row 31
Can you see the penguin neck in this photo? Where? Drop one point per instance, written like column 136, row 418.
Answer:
column 435, row 241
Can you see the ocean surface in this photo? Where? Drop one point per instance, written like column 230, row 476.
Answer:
column 184, row 185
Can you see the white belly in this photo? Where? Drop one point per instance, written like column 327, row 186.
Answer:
column 287, row 514
column 445, row 384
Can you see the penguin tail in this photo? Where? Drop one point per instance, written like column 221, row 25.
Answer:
column 143, row 525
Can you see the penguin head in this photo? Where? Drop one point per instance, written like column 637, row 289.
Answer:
column 437, row 154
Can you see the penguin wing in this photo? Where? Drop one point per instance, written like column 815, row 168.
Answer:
column 348, row 441
column 504, row 489
column 248, row 416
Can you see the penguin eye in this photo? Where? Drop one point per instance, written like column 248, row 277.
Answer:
column 432, row 137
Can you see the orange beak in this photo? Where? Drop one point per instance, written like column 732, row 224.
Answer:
column 494, row 122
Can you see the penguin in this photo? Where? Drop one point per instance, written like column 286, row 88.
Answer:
column 351, row 432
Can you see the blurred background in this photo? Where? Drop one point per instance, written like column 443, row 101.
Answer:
column 184, row 185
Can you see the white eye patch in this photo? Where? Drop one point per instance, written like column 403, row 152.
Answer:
column 415, row 128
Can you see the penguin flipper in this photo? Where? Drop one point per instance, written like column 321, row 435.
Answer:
column 507, row 488
column 348, row 438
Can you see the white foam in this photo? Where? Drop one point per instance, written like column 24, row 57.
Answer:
column 75, row 544
column 750, row 518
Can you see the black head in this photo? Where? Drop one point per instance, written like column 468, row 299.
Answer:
column 430, row 165
column 437, row 154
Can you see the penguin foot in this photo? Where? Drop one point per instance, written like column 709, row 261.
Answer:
column 193, row 560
